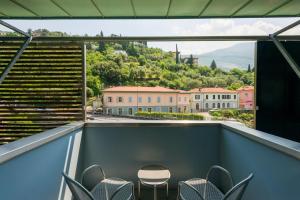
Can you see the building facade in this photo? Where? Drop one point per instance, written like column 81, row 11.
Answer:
column 246, row 97
column 183, row 101
column 205, row 99
column 127, row 100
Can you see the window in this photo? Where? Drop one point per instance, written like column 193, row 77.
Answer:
column 149, row 99
column 120, row 99
column 171, row 99
column 196, row 97
column 197, row 106
column 213, row 105
column 109, row 99
column 170, row 109
column 218, row 105
column 158, row 99
column 206, row 105
column 223, row 105
column 109, row 111
column 228, row 97
column 206, row 96
column 130, row 111
column 140, row 99
column 223, row 96
column 228, row 105
column 184, row 109
column 219, row 96
column 120, row 111
column 149, row 109
column 214, row 96
column 234, row 96
column 129, row 99
column 179, row 110
column 140, row 109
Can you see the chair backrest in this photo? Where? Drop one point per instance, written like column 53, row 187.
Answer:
column 220, row 177
column 238, row 190
column 91, row 176
column 78, row 191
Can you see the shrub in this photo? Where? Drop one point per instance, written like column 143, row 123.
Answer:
column 167, row 115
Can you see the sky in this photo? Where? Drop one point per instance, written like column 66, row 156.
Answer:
column 169, row 27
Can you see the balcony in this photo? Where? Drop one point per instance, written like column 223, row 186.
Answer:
column 31, row 167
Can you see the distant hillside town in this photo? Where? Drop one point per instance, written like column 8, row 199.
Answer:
column 128, row 100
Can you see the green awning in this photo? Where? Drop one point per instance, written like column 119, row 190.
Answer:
column 59, row 9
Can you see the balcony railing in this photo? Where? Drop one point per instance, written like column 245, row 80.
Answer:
column 31, row 167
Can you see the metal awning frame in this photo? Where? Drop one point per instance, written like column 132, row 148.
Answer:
column 283, row 51
column 28, row 38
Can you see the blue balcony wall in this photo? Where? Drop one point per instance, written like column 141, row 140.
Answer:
column 276, row 174
column 36, row 174
column 186, row 149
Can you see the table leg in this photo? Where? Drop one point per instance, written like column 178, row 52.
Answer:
column 139, row 190
column 167, row 185
column 155, row 192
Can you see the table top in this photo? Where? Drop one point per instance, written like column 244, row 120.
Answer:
column 154, row 174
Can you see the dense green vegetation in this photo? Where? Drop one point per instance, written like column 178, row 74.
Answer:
column 244, row 116
column 134, row 63
column 173, row 116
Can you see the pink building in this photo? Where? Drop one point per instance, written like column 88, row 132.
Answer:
column 183, row 101
column 246, row 95
column 127, row 100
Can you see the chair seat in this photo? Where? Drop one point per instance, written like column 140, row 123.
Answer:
column 212, row 192
column 105, row 189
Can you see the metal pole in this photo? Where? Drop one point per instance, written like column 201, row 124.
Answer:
column 84, row 81
column 19, row 52
column 157, row 38
column 286, row 55
column 286, row 28
column 283, row 51
column 14, row 60
column 14, row 28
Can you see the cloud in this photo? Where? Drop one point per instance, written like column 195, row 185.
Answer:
column 219, row 27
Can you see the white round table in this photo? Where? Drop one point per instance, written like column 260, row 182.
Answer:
column 153, row 175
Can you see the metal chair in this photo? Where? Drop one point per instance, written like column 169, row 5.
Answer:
column 218, row 185
column 78, row 191
column 108, row 189
column 91, row 176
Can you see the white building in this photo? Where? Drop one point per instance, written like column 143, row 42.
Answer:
column 205, row 99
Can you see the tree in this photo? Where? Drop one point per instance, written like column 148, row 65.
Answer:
column 249, row 68
column 177, row 55
column 190, row 61
column 132, row 51
column 29, row 31
column 102, row 47
column 213, row 65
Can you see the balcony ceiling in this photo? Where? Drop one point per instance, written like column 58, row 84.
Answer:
column 97, row 9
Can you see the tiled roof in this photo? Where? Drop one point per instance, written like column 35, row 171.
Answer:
column 212, row 90
column 246, row 88
column 183, row 91
column 138, row 88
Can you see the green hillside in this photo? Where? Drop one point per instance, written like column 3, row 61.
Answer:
column 133, row 63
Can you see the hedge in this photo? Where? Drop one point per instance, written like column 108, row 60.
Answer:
column 167, row 115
